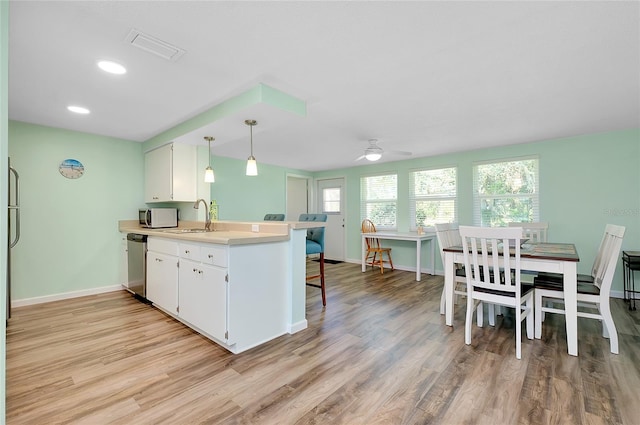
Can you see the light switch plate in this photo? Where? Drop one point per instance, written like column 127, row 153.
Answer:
column 255, row 227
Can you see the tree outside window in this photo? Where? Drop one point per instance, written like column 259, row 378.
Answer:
column 432, row 197
column 506, row 191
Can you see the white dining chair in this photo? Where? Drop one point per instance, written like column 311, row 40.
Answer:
column 533, row 231
column 448, row 235
column 593, row 298
column 484, row 257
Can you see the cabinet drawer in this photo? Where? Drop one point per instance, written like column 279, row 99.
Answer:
column 164, row 246
column 190, row 251
column 215, row 255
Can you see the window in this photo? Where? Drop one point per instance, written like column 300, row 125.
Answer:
column 505, row 191
column 331, row 200
column 378, row 200
column 432, row 197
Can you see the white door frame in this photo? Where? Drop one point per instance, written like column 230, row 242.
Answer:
column 335, row 230
column 296, row 204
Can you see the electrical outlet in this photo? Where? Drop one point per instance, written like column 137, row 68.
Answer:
column 255, row 227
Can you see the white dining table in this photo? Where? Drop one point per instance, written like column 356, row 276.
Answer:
column 405, row 236
column 540, row 257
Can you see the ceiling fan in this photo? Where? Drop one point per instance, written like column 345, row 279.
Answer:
column 373, row 152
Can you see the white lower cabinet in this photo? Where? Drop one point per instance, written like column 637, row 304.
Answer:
column 162, row 274
column 203, row 297
column 235, row 295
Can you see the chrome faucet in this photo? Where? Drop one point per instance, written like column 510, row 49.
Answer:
column 207, row 225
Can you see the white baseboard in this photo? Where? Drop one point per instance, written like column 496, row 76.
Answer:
column 297, row 327
column 65, row 296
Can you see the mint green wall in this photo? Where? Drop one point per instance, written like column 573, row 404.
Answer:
column 70, row 239
column 585, row 183
column 245, row 198
column 4, row 96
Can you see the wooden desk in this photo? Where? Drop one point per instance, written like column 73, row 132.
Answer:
column 541, row 257
column 404, row 236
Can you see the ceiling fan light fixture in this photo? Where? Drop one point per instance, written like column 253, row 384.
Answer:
column 373, row 156
column 252, row 165
column 209, row 177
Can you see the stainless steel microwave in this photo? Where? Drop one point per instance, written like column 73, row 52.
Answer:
column 155, row 218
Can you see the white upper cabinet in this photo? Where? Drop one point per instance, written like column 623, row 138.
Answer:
column 170, row 173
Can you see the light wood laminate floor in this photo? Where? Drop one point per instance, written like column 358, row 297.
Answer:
column 379, row 353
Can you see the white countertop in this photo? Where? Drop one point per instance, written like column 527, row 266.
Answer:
column 225, row 232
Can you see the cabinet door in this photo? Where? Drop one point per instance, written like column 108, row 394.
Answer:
column 123, row 263
column 184, row 168
column 203, row 297
column 162, row 281
column 158, row 174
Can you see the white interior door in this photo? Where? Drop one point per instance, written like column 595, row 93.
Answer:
column 331, row 202
column 297, row 197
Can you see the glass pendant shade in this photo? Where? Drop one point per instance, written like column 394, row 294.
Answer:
column 208, row 175
column 252, row 166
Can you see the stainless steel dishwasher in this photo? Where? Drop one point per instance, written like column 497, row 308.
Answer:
column 137, row 264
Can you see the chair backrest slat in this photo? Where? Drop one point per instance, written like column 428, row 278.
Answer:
column 534, row 231
column 607, row 258
column 369, row 227
column 487, row 251
column 448, row 235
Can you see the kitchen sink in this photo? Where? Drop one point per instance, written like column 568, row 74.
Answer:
column 199, row 230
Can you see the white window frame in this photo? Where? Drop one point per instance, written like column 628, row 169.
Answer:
column 478, row 197
column 414, row 198
column 365, row 181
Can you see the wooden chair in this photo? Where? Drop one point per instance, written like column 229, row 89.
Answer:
column 375, row 251
column 274, row 217
column 483, row 256
column 315, row 245
column 593, row 298
column 534, row 231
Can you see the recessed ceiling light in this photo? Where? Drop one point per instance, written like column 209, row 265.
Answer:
column 78, row 109
column 112, row 67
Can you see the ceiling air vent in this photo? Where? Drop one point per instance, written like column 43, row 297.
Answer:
column 153, row 45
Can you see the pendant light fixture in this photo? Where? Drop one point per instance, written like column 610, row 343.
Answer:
column 252, row 165
column 208, row 172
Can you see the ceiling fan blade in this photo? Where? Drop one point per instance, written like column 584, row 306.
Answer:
column 359, row 158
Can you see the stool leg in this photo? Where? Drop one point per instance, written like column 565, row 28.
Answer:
column 324, row 296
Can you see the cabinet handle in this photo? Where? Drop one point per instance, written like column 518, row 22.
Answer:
column 199, row 271
column 159, row 260
column 186, row 251
column 210, row 256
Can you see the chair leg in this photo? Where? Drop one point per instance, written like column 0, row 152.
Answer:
column 538, row 313
column 609, row 325
column 492, row 314
column 381, row 263
column 467, row 322
column 324, row 296
column 390, row 262
column 530, row 317
column 518, row 323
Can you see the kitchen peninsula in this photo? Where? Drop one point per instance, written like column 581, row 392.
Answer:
column 240, row 285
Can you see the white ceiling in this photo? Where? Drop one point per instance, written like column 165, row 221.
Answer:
column 425, row 77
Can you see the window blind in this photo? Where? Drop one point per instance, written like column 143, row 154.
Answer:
column 432, row 197
column 378, row 200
